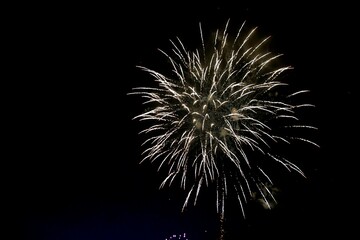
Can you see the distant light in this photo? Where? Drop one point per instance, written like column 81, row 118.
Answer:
column 179, row 236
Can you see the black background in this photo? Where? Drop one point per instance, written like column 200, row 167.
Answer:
column 74, row 169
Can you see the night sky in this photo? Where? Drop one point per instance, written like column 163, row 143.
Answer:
column 74, row 168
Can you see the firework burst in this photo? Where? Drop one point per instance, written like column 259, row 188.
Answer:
column 217, row 116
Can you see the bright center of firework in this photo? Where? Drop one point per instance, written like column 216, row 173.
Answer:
column 209, row 115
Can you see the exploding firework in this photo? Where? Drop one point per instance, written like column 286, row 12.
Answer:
column 218, row 116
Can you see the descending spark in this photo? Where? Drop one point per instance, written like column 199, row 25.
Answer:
column 221, row 105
